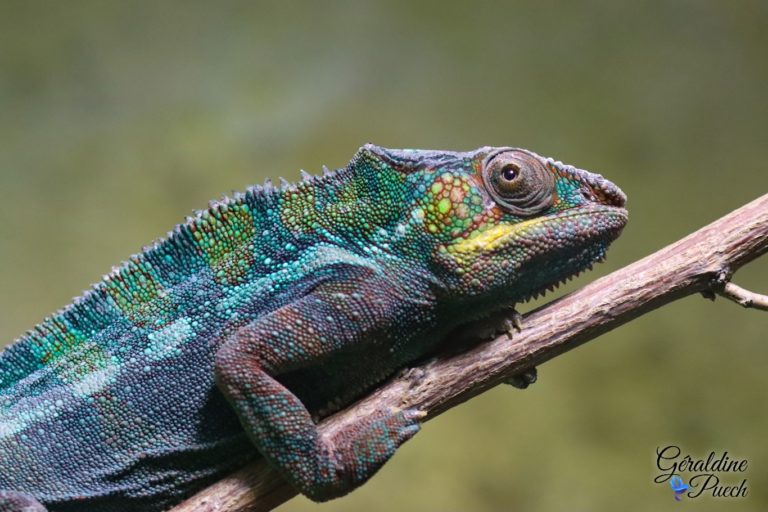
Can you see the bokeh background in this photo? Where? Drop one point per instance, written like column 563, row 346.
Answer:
column 119, row 118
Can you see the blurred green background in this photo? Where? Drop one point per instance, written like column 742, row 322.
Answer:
column 118, row 118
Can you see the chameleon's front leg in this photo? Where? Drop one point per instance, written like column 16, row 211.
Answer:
column 295, row 336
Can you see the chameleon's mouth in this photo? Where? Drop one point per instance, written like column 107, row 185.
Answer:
column 601, row 218
column 560, row 247
column 566, row 232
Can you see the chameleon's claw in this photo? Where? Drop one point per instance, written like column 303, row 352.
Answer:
column 506, row 321
column 517, row 319
column 416, row 414
column 414, row 376
column 523, row 379
column 512, row 323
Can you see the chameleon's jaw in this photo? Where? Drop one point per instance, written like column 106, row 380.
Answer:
column 524, row 259
column 565, row 245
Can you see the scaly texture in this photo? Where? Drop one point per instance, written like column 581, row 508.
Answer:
column 277, row 306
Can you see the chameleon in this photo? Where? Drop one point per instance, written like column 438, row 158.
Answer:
column 229, row 338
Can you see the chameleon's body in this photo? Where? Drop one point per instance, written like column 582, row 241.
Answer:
column 176, row 368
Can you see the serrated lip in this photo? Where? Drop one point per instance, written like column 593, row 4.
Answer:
column 589, row 210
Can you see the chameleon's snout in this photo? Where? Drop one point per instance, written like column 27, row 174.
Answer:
column 599, row 190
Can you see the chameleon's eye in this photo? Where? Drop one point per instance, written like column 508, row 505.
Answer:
column 519, row 182
column 510, row 172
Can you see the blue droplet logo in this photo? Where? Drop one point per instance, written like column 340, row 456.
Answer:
column 678, row 486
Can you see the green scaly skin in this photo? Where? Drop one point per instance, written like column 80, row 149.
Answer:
column 222, row 341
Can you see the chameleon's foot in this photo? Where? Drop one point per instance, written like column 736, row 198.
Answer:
column 12, row 501
column 506, row 322
column 523, row 379
column 377, row 441
column 359, row 451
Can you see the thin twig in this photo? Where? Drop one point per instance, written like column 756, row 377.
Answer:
column 692, row 265
column 744, row 297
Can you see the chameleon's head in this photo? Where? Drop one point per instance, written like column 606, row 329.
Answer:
column 504, row 224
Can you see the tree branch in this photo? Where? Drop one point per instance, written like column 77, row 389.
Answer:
column 744, row 297
column 701, row 262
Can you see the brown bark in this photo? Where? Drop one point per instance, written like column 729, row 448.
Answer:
column 701, row 262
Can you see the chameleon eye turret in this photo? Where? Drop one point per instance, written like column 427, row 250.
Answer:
column 518, row 182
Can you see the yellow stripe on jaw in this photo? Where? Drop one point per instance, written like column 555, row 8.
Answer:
column 490, row 239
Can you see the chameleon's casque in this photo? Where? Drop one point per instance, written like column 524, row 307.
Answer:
column 223, row 340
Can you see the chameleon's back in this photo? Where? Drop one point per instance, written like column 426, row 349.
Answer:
column 114, row 396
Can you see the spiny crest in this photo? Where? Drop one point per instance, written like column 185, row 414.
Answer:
column 216, row 237
column 225, row 224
